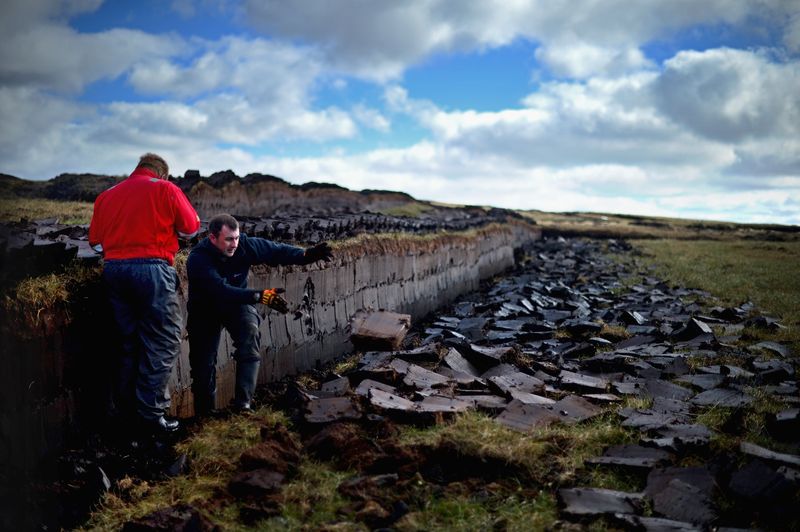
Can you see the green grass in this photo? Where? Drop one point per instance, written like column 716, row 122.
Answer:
column 522, row 512
column 547, row 457
column 410, row 210
column 766, row 273
column 213, row 453
column 545, row 460
column 311, row 500
column 748, row 424
column 24, row 301
column 68, row 212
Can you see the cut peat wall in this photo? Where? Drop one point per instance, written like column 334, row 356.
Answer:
column 409, row 275
column 56, row 376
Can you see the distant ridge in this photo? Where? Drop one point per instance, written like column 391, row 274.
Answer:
column 253, row 195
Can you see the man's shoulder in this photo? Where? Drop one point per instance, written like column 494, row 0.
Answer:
column 254, row 239
column 201, row 248
column 246, row 242
column 200, row 254
column 168, row 186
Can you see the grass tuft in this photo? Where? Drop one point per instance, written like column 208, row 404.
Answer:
column 68, row 212
column 213, row 453
column 505, row 512
column 311, row 500
column 27, row 300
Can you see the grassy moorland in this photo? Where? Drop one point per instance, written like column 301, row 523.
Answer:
column 68, row 212
column 764, row 272
column 599, row 225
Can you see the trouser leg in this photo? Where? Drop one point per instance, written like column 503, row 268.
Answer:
column 243, row 325
column 124, row 310
column 204, row 334
column 160, row 334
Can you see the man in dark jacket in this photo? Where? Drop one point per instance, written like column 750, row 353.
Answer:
column 218, row 297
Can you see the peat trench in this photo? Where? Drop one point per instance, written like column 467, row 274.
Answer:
column 504, row 351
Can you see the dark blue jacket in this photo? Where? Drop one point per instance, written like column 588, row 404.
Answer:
column 216, row 279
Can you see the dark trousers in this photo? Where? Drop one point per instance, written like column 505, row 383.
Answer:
column 205, row 327
column 144, row 299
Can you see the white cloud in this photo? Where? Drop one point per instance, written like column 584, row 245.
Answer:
column 375, row 39
column 32, row 131
column 582, row 60
column 707, row 132
column 252, row 90
column 723, row 112
column 378, row 40
column 57, row 57
column 791, row 36
column 371, row 118
column 572, row 124
column 275, row 73
column 20, row 15
column 731, row 95
column 241, row 91
column 482, row 182
column 767, row 157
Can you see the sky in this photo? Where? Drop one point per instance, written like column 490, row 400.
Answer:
column 653, row 107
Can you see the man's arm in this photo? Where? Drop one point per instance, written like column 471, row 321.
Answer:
column 272, row 253
column 96, row 227
column 187, row 222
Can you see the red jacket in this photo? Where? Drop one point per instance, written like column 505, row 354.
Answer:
column 140, row 217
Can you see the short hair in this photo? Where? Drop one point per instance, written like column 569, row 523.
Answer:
column 155, row 163
column 216, row 223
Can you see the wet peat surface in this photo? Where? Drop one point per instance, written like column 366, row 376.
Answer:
column 565, row 338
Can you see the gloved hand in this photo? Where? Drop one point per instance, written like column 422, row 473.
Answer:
column 321, row 251
column 270, row 298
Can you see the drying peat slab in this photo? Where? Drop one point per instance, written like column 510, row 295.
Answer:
column 559, row 342
column 567, row 339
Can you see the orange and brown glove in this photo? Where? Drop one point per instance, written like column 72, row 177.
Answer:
column 270, row 298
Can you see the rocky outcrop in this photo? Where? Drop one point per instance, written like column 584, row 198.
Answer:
column 265, row 195
column 73, row 187
column 253, row 195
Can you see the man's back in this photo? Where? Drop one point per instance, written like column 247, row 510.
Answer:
column 140, row 218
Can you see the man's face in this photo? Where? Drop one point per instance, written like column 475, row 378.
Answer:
column 227, row 241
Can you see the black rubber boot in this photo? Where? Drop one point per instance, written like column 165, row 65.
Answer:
column 246, row 378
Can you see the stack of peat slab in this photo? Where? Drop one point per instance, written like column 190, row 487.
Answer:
column 46, row 245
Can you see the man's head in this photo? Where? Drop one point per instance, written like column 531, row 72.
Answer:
column 223, row 232
column 156, row 163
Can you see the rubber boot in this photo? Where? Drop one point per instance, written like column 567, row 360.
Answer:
column 246, row 378
column 204, row 402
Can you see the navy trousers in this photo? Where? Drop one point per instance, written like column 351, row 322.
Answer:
column 205, row 328
column 144, row 299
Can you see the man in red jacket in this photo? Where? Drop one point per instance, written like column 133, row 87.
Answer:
column 137, row 223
